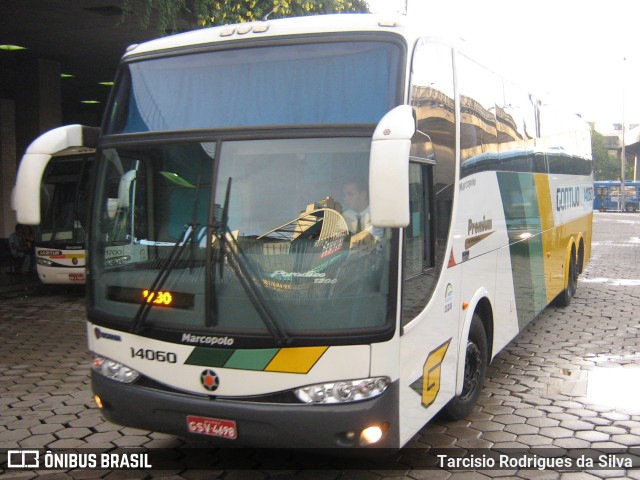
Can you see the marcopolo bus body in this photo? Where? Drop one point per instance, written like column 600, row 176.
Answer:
column 240, row 287
column 58, row 166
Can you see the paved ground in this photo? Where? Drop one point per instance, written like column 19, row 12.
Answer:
column 571, row 380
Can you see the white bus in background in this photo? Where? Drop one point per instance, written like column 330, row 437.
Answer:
column 229, row 296
column 60, row 173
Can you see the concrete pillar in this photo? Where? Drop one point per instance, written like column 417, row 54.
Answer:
column 38, row 101
column 34, row 106
column 7, row 165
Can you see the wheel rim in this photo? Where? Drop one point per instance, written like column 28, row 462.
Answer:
column 472, row 370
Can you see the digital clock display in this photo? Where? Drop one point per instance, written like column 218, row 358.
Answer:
column 157, row 298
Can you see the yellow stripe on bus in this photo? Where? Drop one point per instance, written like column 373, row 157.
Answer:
column 550, row 258
column 295, row 359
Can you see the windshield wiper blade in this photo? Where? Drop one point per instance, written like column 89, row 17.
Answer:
column 176, row 252
column 189, row 238
column 228, row 247
column 241, row 268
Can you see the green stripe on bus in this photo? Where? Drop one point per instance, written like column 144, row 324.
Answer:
column 209, row 357
column 239, row 359
column 521, row 212
column 283, row 360
column 251, row 359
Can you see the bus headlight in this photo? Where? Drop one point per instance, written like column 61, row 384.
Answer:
column 113, row 370
column 117, row 261
column 44, row 261
column 343, row 391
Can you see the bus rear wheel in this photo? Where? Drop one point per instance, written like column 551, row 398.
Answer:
column 475, row 367
column 565, row 297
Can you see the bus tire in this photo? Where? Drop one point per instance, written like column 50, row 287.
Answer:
column 565, row 297
column 475, row 367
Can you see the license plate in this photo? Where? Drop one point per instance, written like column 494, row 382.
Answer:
column 212, row 426
column 76, row 276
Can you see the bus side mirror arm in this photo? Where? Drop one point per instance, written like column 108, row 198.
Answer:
column 389, row 168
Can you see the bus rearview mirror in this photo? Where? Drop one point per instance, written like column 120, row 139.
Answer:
column 389, row 168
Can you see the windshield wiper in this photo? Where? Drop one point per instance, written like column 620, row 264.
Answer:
column 242, row 270
column 188, row 235
column 228, row 247
column 176, row 252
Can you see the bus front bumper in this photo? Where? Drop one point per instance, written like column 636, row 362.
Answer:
column 62, row 276
column 256, row 424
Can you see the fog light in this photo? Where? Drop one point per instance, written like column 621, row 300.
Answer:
column 98, row 401
column 372, row 434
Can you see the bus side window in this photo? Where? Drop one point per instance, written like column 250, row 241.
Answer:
column 418, row 276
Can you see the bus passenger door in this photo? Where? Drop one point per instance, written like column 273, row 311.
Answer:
column 428, row 317
column 430, row 289
column 418, row 279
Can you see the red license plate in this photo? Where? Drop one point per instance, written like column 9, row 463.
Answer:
column 212, row 426
column 76, row 276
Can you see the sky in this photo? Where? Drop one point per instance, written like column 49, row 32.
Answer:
column 583, row 56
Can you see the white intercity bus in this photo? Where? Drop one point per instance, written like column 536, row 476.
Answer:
column 58, row 167
column 233, row 295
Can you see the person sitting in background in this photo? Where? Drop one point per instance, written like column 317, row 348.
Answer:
column 20, row 250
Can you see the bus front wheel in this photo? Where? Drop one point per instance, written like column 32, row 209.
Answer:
column 475, row 367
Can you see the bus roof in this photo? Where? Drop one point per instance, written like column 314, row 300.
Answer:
column 313, row 24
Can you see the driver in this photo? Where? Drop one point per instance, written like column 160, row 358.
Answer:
column 356, row 198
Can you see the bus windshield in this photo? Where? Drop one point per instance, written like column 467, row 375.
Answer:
column 268, row 236
column 64, row 198
column 306, row 84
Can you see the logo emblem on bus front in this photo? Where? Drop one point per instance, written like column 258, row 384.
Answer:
column 209, row 380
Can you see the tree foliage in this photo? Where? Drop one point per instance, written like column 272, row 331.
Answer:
column 605, row 165
column 170, row 16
